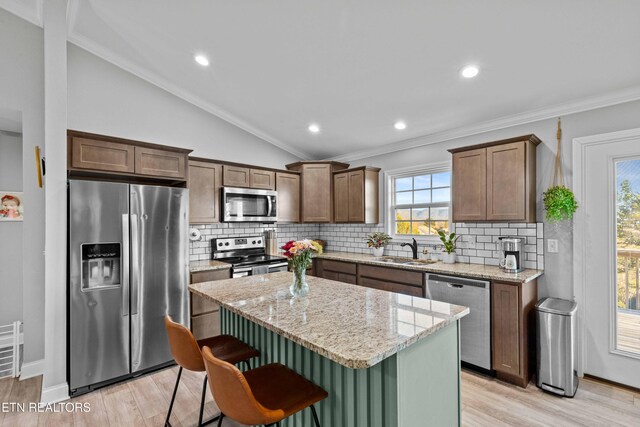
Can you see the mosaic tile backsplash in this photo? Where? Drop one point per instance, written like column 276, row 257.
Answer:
column 477, row 244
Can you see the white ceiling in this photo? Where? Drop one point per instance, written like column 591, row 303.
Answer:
column 357, row 66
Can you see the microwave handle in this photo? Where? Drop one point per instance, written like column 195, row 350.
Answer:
column 270, row 206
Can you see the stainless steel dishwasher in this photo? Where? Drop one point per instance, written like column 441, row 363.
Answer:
column 475, row 328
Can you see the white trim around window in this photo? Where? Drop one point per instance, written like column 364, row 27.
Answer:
column 389, row 203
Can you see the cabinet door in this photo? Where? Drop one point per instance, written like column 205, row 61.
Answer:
column 205, row 181
column 263, row 179
column 505, row 313
column 288, row 204
column 341, row 197
column 317, row 205
column 506, row 198
column 102, row 155
column 356, row 196
column 153, row 162
column 469, row 185
column 234, row 176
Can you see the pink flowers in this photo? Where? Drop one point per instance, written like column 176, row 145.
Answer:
column 293, row 249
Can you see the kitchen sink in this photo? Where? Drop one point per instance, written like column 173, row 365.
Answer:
column 405, row 261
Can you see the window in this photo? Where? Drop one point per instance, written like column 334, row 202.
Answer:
column 419, row 202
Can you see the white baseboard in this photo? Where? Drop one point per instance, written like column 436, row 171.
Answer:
column 54, row 394
column 32, row 369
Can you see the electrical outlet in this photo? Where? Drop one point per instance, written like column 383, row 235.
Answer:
column 552, row 246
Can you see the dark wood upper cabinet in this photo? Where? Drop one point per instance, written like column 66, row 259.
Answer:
column 105, row 155
column 495, row 181
column 263, row 179
column 236, row 176
column 154, row 162
column 356, row 195
column 469, row 188
column 317, row 189
column 205, row 181
column 101, row 155
column 288, row 188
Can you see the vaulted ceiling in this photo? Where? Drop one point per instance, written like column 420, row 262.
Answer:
column 356, row 67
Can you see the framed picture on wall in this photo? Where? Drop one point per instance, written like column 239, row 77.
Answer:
column 11, row 206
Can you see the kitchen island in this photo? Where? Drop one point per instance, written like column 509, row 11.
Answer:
column 385, row 359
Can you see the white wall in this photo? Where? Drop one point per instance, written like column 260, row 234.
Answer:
column 107, row 100
column 558, row 278
column 10, row 232
column 22, row 90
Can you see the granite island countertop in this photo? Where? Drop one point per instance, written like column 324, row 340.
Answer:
column 354, row 326
column 479, row 271
column 208, row 265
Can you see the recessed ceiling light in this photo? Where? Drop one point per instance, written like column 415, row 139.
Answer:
column 400, row 125
column 469, row 71
column 314, row 128
column 202, row 60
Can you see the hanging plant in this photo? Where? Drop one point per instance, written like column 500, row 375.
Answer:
column 559, row 201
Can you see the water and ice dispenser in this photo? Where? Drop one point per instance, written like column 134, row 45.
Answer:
column 101, row 263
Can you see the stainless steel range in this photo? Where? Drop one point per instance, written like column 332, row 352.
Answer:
column 247, row 255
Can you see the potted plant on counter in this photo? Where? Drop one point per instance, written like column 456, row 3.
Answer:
column 378, row 241
column 300, row 255
column 449, row 242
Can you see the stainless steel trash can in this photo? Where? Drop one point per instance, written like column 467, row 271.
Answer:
column 556, row 326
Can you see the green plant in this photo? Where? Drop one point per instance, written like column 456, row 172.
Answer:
column 560, row 203
column 448, row 240
column 378, row 239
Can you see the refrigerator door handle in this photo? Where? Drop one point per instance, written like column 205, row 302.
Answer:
column 125, row 265
column 135, row 265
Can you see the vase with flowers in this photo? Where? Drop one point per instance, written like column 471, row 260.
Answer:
column 378, row 241
column 300, row 254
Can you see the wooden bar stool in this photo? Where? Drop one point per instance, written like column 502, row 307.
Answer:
column 264, row 395
column 186, row 352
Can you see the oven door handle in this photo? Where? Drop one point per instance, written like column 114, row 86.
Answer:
column 242, row 270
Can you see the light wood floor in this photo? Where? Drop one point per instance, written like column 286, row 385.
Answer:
column 486, row 402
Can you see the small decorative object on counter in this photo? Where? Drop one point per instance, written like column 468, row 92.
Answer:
column 559, row 202
column 300, row 253
column 378, row 241
column 449, row 242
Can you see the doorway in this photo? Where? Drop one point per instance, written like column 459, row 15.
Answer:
column 607, row 255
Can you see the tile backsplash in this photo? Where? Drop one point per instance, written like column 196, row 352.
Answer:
column 477, row 244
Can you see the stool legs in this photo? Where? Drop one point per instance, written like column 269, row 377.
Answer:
column 173, row 398
column 220, row 419
column 204, row 393
column 315, row 416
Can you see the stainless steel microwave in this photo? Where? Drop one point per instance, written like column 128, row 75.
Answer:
column 248, row 205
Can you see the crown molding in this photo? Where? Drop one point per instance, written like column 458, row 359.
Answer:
column 563, row 109
column 113, row 58
column 21, row 10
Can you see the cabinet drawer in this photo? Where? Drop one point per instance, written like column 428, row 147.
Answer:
column 340, row 277
column 206, row 325
column 410, row 278
column 262, row 179
column 339, row 266
column 208, row 276
column 200, row 305
column 101, row 155
column 153, row 162
column 390, row 286
column 233, row 176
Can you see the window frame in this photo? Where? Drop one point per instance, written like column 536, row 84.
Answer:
column 390, row 206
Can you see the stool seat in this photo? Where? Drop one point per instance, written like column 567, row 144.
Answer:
column 229, row 348
column 277, row 387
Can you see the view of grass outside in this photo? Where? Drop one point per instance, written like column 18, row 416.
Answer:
column 628, row 233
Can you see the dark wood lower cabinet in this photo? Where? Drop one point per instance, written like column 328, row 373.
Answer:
column 205, row 315
column 513, row 330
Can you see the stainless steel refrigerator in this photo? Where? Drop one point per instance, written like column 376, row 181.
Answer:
column 128, row 267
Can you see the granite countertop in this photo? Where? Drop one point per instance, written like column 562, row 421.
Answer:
column 458, row 269
column 207, row 265
column 354, row 326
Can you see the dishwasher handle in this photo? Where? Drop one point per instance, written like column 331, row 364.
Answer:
column 458, row 282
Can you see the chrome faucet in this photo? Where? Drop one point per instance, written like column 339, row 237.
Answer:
column 413, row 246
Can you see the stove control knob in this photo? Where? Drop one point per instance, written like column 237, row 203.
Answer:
column 226, row 244
column 220, row 244
column 253, row 243
column 259, row 241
